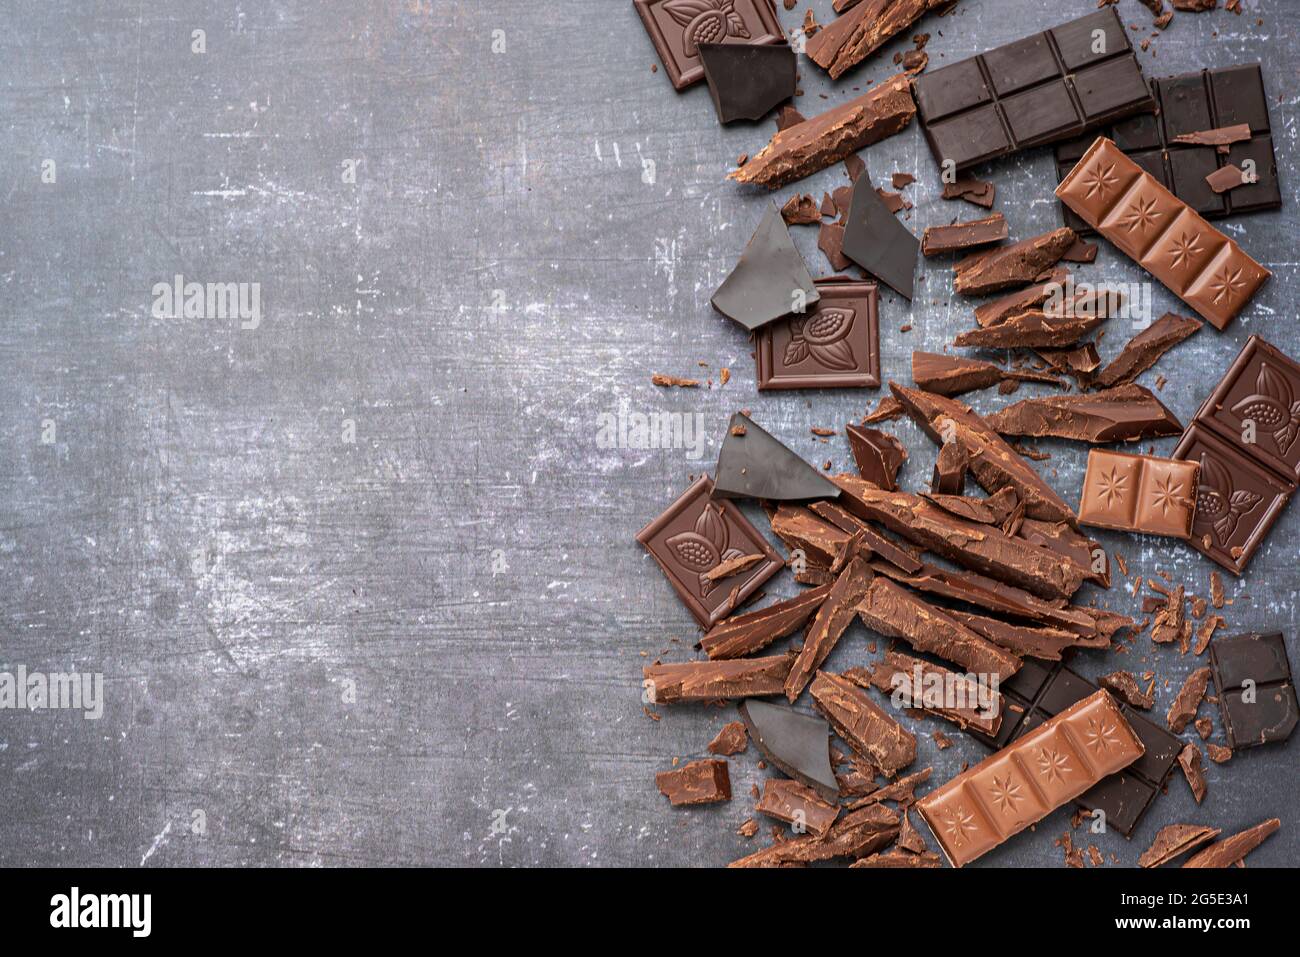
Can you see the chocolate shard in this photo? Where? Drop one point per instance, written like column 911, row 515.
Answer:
column 856, row 834
column 753, row 464
column 1079, row 361
column 801, row 211
column 819, row 541
column 1022, row 300
column 937, row 240
column 1125, row 413
column 953, row 375
column 867, row 729
column 1188, row 700
column 711, row 680
column 1032, row 329
column 747, row 81
column 872, row 541
column 1126, row 687
column 771, row 279
column 745, row 634
column 1221, row 136
column 1027, row 641
column 1189, row 759
column 797, row 804
column 1145, row 349
column 909, row 838
column 935, row 690
column 849, row 39
column 1174, row 840
column 982, row 548
column 1256, row 692
column 993, row 463
column 732, row 739
column 798, row 744
column 1011, row 265
column 832, row 618
column 1226, row 178
column 878, row 242
column 896, row 612
column 972, row 190
column 878, row 455
column 1230, row 850
column 825, row 139
column 700, row 782
column 950, row 470
column 993, row 510
column 897, row 858
column 1084, row 553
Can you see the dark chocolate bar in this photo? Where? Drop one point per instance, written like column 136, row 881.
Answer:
column 1045, row 88
column 1252, row 680
column 837, row 345
column 1189, row 104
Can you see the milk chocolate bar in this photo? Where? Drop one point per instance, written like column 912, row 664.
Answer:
column 1139, row 493
column 1027, row 780
column 1161, row 233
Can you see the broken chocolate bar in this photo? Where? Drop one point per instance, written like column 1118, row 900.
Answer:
column 1139, row 493
column 935, row 690
column 1023, row 300
column 796, row 804
column 1125, row 413
column 748, row 81
column 711, row 680
column 878, row 242
column 873, row 734
column 1022, row 262
column 825, row 139
column 700, row 782
column 857, row 833
column 753, row 464
column 771, row 279
column 953, row 375
column 878, row 455
column 798, row 744
column 1025, row 781
column 1033, row 329
column 849, row 39
column 1143, row 350
column 1027, row 641
column 937, row 240
column 746, row 634
column 819, row 541
column 832, row 618
column 1188, row 700
column 1257, row 697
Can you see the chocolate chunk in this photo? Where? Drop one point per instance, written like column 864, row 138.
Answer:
column 896, row 858
column 1012, row 265
column 1175, row 840
column 950, row 470
column 1188, row 700
column 836, row 345
column 878, row 455
column 872, row 733
column 1145, row 349
column 1139, row 493
column 677, row 29
column 711, row 680
column 796, row 804
column 1081, row 551
column 1080, row 361
column 830, row 240
column 878, row 242
column 1230, row 850
column 1023, row 300
column 972, row 190
column 746, row 634
column 849, row 39
column 1128, row 689
column 856, row 834
column 1189, row 759
column 953, row 375
column 935, row 690
column 903, row 790
column 870, row 540
column 975, row 232
column 1218, row 753
column 697, row 534
column 788, row 117
column 748, row 82
column 753, row 464
column 994, row 510
column 800, row 529
column 798, row 744
column 700, row 782
column 1033, row 329
column 980, row 547
column 1125, row 413
column 1080, row 251
column 994, row 464
column 832, row 618
column 1204, row 727
column 909, row 838
column 829, row 137
column 887, row 409
column 770, row 280
column 1225, row 178
column 901, row 180
column 896, row 612
column 1170, row 621
column 1257, row 698
column 1027, row 641
column 801, row 210
column 730, row 740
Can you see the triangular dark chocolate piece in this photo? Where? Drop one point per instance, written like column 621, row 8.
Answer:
column 748, row 82
column 798, row 744
column 878, row 242
column 753, row 464
column 771, row 279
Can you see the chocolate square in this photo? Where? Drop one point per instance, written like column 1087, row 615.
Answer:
column 1077, row 39
column 1020, row 64
column 1239, row 97
column 677, row 27
column 1185, row 104
column 836, row 346
column 950, row 89
column 1254, row 667
column 1044, row 112
column 697, row 534
column 1237, row 501
column 1189, row 168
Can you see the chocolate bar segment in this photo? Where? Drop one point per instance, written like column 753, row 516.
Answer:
column 1042, row 89
column 1256, row 692
column 1027, row 780
column 1139, row 493
column 678, row 27
column 836, row 345
column 1161, row 233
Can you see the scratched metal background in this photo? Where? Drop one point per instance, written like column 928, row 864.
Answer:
column 532, row 233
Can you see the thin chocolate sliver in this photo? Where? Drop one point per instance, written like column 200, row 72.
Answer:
column 834, row 615
column 1232, row 849
column 1145, row 349
column 1125, row 413
column 972, row 190
column 958, row 236
column 857, row 833
column 1022, row 300
column 746, row 634
column 771, row 279
column 1027, row 641
column 872, row 733
column 1225, row 178
column 1255, row 688
column 954, row 375
column 849, row 39
column 1012, row 265
column 753, row 464
column 796, row 743
column 1175, row 840
column 950, row 470
column 897, row 672
column 878, row 455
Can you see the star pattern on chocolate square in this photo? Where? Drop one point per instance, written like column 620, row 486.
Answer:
column 1112, row 486
column 1227, row 284
column 1052, row 764
column 958, row 823
column 1184, row 249
column 1006, row 794
column 1141, row 215
column 1168, row 494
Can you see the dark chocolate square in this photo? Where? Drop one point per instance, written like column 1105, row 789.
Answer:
column 1111, row 90
column 1161, row 747
column 1239, row 97
column 1184, row 104
column 1255, row 158
column 1237, row 502
column 1020, row 64
column 1153, row 161
column 1258, row 658
column 697, row 534
column 1077, row 40
column 836, row 346
column 1028, row 682
column 1042, row 113
column 1123, row 797
column 1257, row 698
column 1141, row 132
column 677, row 27
column 969, row 138
column 950, row 90
column 1067, row 688
column 1190, row 167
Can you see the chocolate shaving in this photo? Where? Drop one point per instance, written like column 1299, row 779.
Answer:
column 1175, row 840
column 1125, row 413
column 710, row 680
column 746, row 634
column 972, row 190
column 937, row 240
column 954, row 375
column 1230, row 850
column 730, row 740
column 832, row 618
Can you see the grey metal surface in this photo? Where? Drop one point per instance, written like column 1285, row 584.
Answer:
column 531, row 233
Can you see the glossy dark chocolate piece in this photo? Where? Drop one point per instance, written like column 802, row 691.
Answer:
column 771, row 279
column 753, row 464
column 798, row 744
column 678, row 27
column 1255, row 688
column 878, row 455
column 1045, row 88
column 748, row 81
column 836, row 345
column 878, row 242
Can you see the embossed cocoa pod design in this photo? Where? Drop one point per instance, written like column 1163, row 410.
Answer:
column 703, row 548
column 1218, row 503
column 1272, row 408
column 705, row 21
column 796, row 350
column 827, row 337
